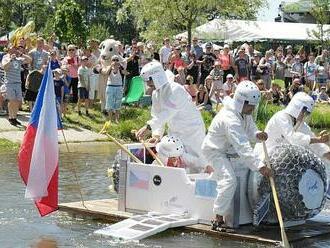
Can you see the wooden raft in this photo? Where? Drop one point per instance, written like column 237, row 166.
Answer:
column 106, row 211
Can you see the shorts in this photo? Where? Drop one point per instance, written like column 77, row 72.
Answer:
column 114, row 97
column 217, row 85
column 83, row 93
column 30, row 96
column 94, row 78
column 14, row 91
column 322, row 81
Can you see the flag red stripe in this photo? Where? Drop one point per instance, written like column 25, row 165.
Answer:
column 49, row 203
column 25, row 152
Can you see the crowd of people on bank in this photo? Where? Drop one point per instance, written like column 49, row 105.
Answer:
column 208, row 72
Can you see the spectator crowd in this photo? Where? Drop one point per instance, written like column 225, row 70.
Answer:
column 207, row 71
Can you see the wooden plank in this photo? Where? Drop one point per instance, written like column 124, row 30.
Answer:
column 106, row 210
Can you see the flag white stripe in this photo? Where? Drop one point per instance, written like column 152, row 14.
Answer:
column 44, row 158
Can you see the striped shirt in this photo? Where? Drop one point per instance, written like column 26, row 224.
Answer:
column 13, row 73
column 2, row 76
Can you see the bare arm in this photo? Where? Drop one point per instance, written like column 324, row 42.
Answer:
column 26, row 59
column 6, row 62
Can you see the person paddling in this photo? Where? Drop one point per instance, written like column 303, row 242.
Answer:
column 228, row 142
column 172, row 106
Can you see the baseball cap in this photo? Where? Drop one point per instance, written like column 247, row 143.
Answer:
column 208, row 45
column 58, row 70
column 226, row 46
column 229, row 76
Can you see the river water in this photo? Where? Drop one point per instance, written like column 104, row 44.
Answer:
column 21, row 226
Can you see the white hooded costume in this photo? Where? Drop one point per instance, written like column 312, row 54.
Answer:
column 172, row 105
column 228, row 143
column 282, row 129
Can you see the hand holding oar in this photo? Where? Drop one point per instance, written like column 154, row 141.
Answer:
column 285, row 241
column 150, row 150
column 152, row 153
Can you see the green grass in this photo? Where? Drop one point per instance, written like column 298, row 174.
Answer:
column 7, row 146
column 279, row 82
column 320, row 118
column 133, row 118
column 265, row 112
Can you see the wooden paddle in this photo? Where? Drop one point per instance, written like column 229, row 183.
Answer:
column 285, row 241
column 154, row 155
column 121, row 146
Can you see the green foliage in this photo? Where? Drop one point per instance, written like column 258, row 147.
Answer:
column 321, row 13
column 99, row 31
column 69, row 23
column 19, row 12
column 158, row 18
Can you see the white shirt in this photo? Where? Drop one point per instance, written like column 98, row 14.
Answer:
column 164, row 53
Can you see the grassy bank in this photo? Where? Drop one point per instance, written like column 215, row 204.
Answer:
column 134, row 118
column 131, row 118
column 320, row 118
column 8, row 146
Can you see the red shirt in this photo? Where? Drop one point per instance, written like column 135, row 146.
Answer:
column 177, row 62
column 224, row 61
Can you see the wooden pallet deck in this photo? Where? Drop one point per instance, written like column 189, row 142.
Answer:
column 106, row 210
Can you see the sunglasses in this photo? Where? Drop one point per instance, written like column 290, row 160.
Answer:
column 115, row 60
column 71, row 50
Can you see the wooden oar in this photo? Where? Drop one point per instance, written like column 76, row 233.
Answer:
column 121, row 146
column 152, row 153
column 285, row 241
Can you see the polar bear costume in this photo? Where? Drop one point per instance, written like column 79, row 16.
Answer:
column 108, row 48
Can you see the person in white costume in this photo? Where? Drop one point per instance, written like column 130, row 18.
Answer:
column 288, row 126
column 170, row 150
column 228, row 142
column 172, row 105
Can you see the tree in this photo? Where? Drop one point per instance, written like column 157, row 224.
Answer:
column 321, row 13
column 69, row 23
column 159, row 18
column 19, row 12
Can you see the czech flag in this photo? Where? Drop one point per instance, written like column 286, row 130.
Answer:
column 38, row 154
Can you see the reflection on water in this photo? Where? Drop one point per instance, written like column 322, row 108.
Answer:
column 21, row 226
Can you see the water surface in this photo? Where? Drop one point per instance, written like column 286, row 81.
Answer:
column 21, row 226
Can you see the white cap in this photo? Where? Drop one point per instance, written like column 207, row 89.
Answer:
column 154, row 70
column 246, row 91
column 226, row 46
column 299, row 101
column 170, row 146
column 229, row 76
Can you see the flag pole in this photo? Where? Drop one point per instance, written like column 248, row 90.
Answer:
column 74, row 171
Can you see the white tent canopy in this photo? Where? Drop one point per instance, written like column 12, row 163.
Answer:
column 238, row 30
